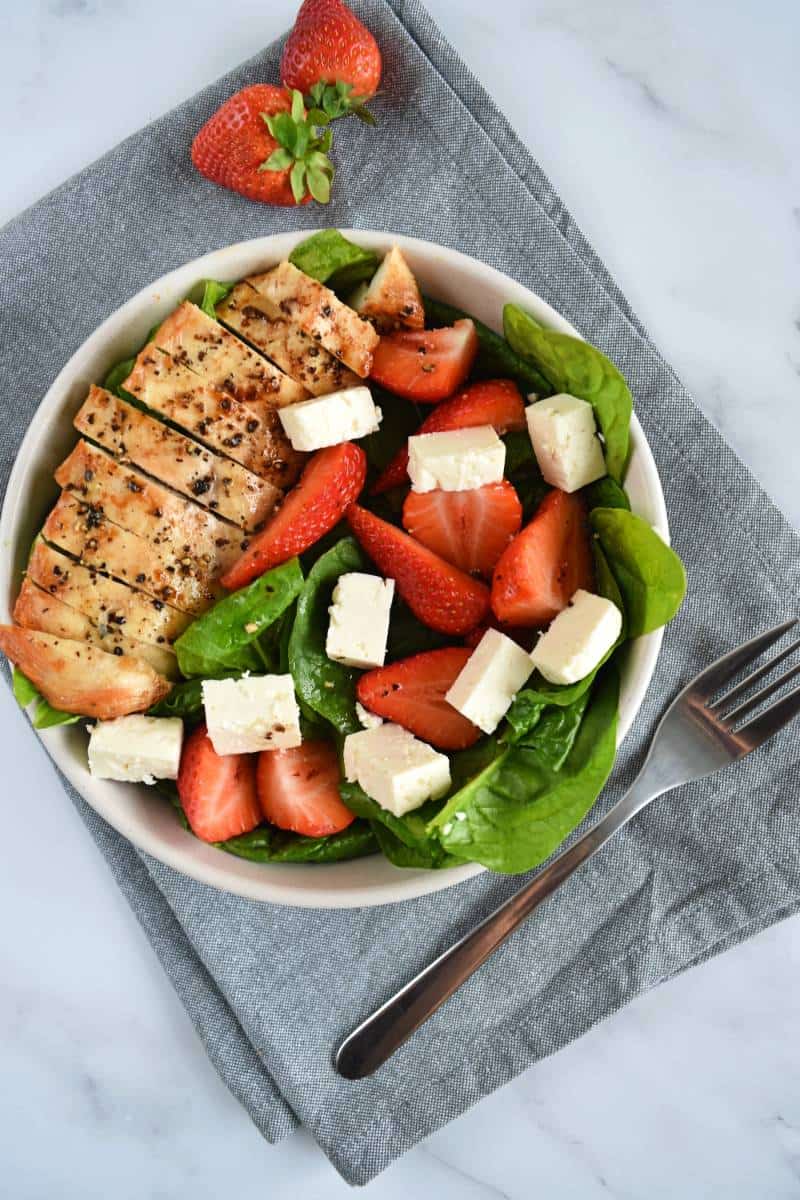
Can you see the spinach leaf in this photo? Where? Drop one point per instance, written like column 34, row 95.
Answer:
column 213, row 294
column 225, row 639
column 430, row 856
column 581, row 370
column 606, row 493
column 518, row 810
column 267, row 844
column 410, row 831
column 407, row 634
column 496, row 359
column 333, row 260
column 399, row 419
column 185, row 700
column 650, row 576
column 169, row 789
column 44, row 716
column 325, row 687
column 522, row 470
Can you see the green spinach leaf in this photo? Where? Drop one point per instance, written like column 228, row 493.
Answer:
column 333, row 260
column 185, row 700
column 431, row 856
column 43, row 716
column 522, row 470
column 410, row 831
column 326, row 688
column 407, row 634
column 227, row 639
column 606, row 493
column 267, row 844
column 519, row 809
column 496, row 359
column 649, row 574
column 574, row 366
column 213, row 293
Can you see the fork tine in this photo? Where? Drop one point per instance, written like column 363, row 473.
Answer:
column 730, row 718
column 746, row 684
column 717, row 675
column 777, row 715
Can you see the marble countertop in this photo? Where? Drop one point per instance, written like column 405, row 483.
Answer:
column 670, row 128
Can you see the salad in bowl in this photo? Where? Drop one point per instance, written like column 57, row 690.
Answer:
column 342, row 571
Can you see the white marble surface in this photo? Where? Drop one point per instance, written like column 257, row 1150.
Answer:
column 670, row 127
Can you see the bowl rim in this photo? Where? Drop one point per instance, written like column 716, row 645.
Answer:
column 269, row 882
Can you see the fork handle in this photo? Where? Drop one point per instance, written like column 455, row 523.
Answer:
column 377, row 1038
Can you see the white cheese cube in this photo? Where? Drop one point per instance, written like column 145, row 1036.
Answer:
column 367, row 719
column 489, row 681
column 565, row 441
column 136, row 749
column 394, row 768
column 456, row 461
column 327, row 420
column 359, row 624
column 578, row 638
column 257, row 712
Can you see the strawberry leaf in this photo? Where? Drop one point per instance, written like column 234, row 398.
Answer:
column 297, row 179
column 297, row 105
column 319, row 184
column 279, row 160
column 364, row 115
column 316, row 116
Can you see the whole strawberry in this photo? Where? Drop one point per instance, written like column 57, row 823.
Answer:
column 260, row 144
column 329, row 45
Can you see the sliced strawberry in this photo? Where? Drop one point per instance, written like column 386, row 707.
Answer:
column 411, row 692
column 495, row 402
column 299, row 789
column 468, row 529
column 425, row 364
column 438, row 594
column 545, row 564
column 331, row 481
column 217, row 792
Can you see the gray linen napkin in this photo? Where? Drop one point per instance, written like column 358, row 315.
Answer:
column 272, row 990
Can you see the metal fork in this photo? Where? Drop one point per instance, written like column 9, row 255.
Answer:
column 696, row 736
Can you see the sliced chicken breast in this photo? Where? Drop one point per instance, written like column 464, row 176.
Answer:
column 179, row 580
column 219, row 483
column 318, row 313
column 105, row 601
column 36, row 609
column 298, row 355
column 198, row 342
column 107, row 488
column 80, row 678
column 250, row 434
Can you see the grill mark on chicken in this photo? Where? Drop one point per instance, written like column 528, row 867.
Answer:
column 245, row 311
column 200, row 343
column 250, row 434
column 290, row 295
column 105, row 601
column 176, row 578
column 174, row 459
column 37, row 609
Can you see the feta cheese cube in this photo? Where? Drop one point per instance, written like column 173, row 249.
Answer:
column 578, row 638
column 359, row 624
column 327, row 420
column 456, row 461
column 394, row 768
column 257, row 712
column 489, row 681
column 136, row 749
column 367, row 719
column 565, row 441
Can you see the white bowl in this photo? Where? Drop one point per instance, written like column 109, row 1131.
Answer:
column 141, row 814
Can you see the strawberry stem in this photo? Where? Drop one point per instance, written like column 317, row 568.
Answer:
column 304, row 140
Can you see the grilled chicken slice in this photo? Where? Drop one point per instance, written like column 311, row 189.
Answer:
column 318, row 313
column 178, row 580
column 231, row 490
column 105, row 601
column 78, row 678
column 203, row 345
column 106, row 488
column 38, row 610
column 250, row 434
column 392, row 298
column 300, row 356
